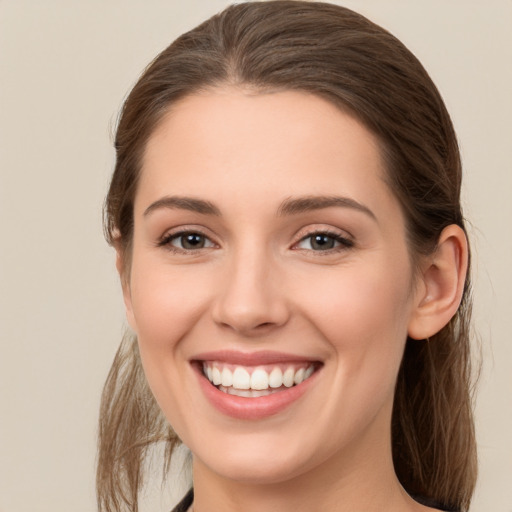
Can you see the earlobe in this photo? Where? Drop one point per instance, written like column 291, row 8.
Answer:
column 442, row 284
column 125, row 285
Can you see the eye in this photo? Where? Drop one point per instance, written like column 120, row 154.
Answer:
column 187, row 241
column 324, row 242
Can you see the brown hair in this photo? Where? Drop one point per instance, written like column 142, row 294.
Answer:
column 341, row 56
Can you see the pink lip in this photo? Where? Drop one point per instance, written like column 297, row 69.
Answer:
column 252, row 358
column 256, row 408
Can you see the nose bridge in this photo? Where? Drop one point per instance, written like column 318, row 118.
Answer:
column 250, row 298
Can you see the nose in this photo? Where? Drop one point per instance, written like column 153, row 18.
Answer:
column 251, row 299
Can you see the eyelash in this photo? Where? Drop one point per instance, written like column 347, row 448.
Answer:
column 167, row 240
column 344, row 243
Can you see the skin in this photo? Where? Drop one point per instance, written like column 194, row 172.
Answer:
column 259, row 284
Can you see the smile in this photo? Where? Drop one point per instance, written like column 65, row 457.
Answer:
column 256, row 381
column 254, row 386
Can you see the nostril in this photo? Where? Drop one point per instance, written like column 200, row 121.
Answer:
column 244, row 311
column 256, row 329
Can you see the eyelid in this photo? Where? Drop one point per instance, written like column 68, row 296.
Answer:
column 345, row 240
column 174, row 233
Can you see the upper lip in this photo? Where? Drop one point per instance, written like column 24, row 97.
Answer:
column 263, row 357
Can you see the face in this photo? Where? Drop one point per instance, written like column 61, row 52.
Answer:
column 270, row 284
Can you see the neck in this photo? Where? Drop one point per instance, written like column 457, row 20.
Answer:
column 347, row 482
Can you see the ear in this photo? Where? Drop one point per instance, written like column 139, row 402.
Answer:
column 442, row 284
column 124, row 276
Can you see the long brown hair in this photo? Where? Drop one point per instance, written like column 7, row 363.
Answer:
column 341, row 56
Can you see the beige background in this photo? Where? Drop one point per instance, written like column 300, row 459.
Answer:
column 65, row 67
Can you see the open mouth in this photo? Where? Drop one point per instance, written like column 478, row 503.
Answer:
column 256, row 381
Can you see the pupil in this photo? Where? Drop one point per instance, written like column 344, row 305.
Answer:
column 322, row 242
column 192, row 241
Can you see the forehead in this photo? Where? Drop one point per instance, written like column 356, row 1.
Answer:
column 230, row 141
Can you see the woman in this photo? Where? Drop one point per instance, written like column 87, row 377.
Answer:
column 286, row 213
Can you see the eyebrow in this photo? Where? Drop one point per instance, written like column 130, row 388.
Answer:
column 290, row 206
column 293, row 206
column 183, row 203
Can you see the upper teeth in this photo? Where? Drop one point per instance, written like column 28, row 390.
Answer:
column 256, row 378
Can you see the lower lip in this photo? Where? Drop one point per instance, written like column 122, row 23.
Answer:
column 253, row 408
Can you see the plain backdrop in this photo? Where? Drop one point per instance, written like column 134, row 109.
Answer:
column 65, row 67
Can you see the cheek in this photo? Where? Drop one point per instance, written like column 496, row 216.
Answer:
column 166, row 303
column 362, row 317
column 363, row 314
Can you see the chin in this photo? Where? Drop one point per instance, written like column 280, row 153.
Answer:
column 258, row 471
column 257, row 462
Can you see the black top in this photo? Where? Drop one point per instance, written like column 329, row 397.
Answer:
column 185, row 503
column 428, row 502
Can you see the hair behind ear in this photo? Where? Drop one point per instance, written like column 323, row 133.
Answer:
column 433, row 437
column 130, row 423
